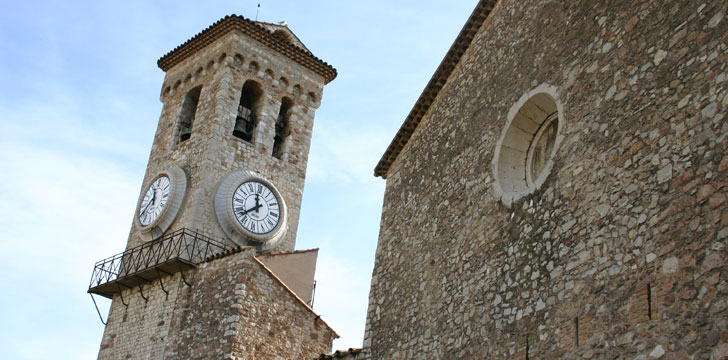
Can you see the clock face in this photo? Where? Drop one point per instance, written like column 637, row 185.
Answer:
column 154, row 201
column 256, row 207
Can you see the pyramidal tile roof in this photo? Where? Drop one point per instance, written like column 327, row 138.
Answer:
column 258, row 32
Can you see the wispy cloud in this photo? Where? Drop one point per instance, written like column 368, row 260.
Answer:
column 61, row 212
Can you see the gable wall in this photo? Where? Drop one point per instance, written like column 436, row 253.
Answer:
column 636, row 196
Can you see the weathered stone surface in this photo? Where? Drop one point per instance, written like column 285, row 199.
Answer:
column 657, row 352
column 234, row 309
column 627, row 234
column 212, row 152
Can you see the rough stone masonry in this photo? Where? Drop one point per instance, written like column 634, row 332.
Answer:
column 230, row 306
column 621, row 251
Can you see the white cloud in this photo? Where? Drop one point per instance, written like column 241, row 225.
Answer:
column 61, row 212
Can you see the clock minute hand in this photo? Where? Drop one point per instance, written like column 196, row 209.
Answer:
column 144, row 211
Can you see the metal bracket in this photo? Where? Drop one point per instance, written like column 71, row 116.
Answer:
column 142, row 292
column 183, row 275
column 161, row 283
column 97, row 309
column 121, row 294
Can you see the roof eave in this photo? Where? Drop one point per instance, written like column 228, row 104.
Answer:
column 436, row 83
column 250, row 28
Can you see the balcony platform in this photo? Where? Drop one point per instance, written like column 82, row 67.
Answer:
column 176, row 252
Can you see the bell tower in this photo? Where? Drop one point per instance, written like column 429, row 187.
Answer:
column 238, row 97
column 221, row 195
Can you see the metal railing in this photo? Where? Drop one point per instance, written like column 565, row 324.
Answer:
column 182, row 246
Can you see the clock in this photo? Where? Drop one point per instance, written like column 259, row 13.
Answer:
column 160, row 202
column 154, row 200
column 256, row 208
column 251, row 210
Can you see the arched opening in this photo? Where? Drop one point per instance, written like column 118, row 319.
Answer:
column 246, row 118
column 187, row 115
column 253, row 67
column 282, row 126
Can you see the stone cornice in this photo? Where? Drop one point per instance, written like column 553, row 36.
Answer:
column 257, row 32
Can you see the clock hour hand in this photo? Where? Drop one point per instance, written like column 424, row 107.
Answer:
column 254, row 208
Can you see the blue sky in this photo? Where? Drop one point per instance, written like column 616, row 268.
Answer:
column 79, row 105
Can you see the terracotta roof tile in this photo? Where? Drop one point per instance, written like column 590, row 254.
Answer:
column 438, row 80
column 226, row 253
column 339, row 354
column 253, row 30
column 288, row 252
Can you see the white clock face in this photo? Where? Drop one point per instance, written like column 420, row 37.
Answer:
column 256, row 207
column 154, row 201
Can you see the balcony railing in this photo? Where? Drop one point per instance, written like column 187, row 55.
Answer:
column 175, row 252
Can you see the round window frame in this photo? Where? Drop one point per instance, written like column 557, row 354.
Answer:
column 506, row 190
column 530, row 181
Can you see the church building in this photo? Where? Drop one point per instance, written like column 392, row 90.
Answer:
column 210, row 269
column 559, row 189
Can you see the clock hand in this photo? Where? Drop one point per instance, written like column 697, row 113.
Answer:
column 254, row 208
column 154, row 196
column 144, row 211
column 257, row 203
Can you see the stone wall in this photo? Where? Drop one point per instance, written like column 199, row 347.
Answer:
column 621, row 251
column 234, row 309
column 141, row 330
column 212, row 152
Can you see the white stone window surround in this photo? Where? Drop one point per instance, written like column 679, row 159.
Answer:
column 514, row 151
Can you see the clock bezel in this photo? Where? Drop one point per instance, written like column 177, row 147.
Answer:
column 228, row 221
column 177, row 190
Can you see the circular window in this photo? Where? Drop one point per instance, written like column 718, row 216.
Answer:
column 524, row 152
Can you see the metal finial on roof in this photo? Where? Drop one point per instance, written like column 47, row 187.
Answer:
column 256, row 12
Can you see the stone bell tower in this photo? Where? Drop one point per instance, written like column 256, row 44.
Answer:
column 240, row 95
column 209, row 268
